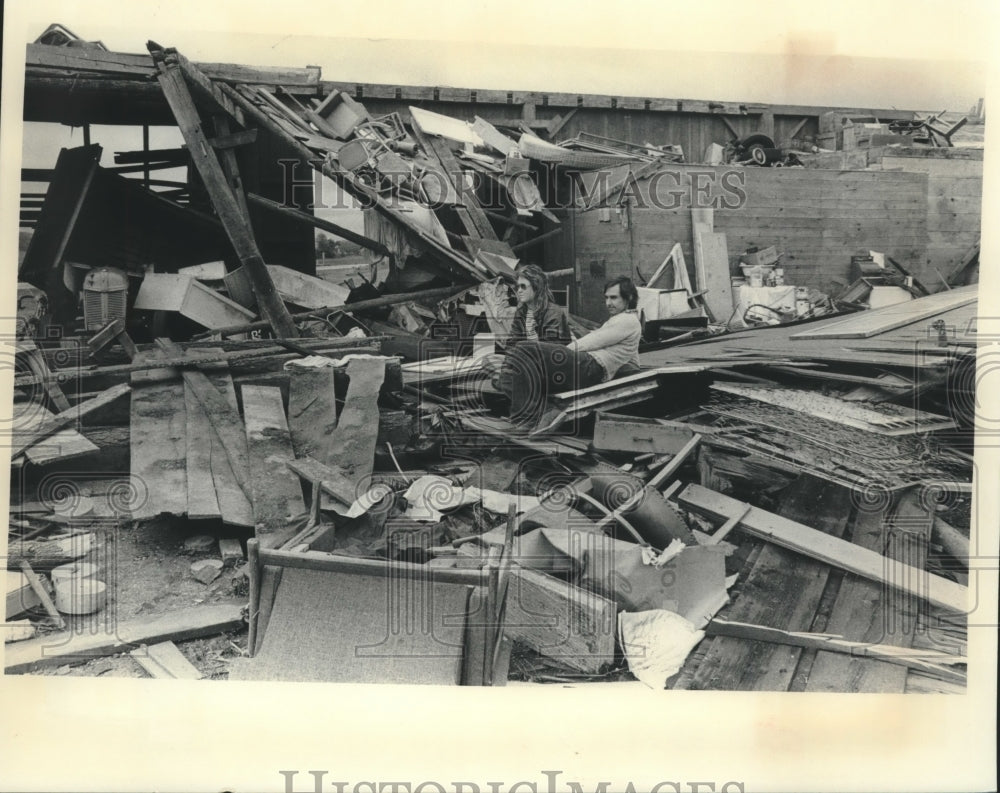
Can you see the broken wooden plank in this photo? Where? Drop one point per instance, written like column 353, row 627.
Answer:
column 55, row 618
column 277, row 494
column 932, row 662
column 312, row 413
column 64, row 444
column 213, row 488
column 838, row 553
column 331, row 479
column 36, row 363
column 20, row 596
column 165, row 661
column 633, row 434
column 569, row 625
column 22, row 440
column 202, row 500
column 191, row 357
column 865, row 324
column 205, row 159
column 357, row 428
column 681, row 279
column 714, row 277
column 56, row 649
column 234, row 503
column 884, row 419
column 865, row 611
column 158, row 443
column 781, row 590
column 222, row 416
column 46, row 554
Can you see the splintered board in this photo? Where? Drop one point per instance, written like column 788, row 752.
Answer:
column 884, row 419
column 213, row 488
column 357, row 428
column 277, row 494
column 871, row 612
column 64, row 444
column 312, row 414
column 55, row 649
column 782, row 590
column 158, row 439
column 815, row 544
column 714, row 277
column 871, row 323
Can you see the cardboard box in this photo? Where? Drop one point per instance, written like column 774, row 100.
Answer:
column 762, row 258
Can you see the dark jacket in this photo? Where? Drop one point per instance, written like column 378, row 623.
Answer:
column 550, row 324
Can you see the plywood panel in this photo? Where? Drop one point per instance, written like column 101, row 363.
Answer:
column 277, row 494
column 158, row 439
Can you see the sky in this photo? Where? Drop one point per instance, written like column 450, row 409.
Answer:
column 911, row 55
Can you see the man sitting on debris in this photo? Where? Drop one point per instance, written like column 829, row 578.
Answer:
column 537, row 318
column 539, row 368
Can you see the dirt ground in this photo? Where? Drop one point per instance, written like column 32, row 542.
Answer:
column 148, row 572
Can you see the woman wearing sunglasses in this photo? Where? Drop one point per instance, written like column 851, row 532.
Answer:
column 537, row 318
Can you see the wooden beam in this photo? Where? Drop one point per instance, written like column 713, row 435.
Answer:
column 227, row 159
column 36, row 586
column 867, row 611
column 330, row 479
column 194, row 357
column 367, row 196
column 225, row 421
column 158, row 438
column 57, row 649
column 22, row 441
column 478, row 224
column 233, row 217
column 632, row 434
column 930, row 661
column 277, row 494
column 320, row 223
column 139, row 66
column 347, row 308
column 336, row 563
column 838, row 553
column 781, row 590
column 164, row 661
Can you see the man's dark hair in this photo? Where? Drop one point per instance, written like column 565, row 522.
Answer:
column 626, row 288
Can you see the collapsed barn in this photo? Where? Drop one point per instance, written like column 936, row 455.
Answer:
column 303, row 473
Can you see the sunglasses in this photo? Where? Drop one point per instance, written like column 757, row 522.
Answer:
column 523, row 287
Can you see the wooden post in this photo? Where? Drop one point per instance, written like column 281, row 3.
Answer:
column 231, row 213
column 145, row 151
column 253, row 564
column 54, row 616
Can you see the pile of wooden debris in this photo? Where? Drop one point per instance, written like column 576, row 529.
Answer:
column 781, row 507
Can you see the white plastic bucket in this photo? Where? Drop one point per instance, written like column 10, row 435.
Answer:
column 75, row 595
column 73, row 570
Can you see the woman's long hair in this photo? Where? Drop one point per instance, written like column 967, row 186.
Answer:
column 539, row 281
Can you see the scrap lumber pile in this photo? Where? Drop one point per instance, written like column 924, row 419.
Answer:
column 781, row 507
